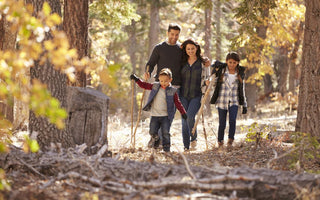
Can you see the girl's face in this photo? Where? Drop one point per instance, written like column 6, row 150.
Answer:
column 164, row 81
column 191, row 50
column 232, row 64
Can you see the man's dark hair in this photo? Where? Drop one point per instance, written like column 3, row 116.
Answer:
column 174, row 26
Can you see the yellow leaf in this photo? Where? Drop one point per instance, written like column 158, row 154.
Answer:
column 46, row 9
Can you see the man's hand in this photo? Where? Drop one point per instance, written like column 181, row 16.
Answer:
column 134, row 77
column 146, row 76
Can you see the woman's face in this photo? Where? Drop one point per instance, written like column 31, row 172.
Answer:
column 191, row 50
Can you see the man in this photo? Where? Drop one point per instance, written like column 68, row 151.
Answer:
column 167, row 54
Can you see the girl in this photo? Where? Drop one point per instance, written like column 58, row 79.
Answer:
column 229, row 94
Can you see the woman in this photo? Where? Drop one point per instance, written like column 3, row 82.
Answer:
column 193, row 76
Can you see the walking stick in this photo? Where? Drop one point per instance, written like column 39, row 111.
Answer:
column 206, row 94
column 139, row 115
column 204, row 132
column 132, row 101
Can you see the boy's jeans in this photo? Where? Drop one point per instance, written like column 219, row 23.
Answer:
column 161, row 122
column 192, row 107
column 233, row 111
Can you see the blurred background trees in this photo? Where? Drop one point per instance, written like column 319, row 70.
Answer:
column 119, row 35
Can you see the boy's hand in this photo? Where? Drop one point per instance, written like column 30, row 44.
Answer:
column 244, row 110
column 184, row 116
column 134, row 77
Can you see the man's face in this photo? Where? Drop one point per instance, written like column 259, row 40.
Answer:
column 173, row 36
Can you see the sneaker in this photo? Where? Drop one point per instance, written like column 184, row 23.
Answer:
column 186, row 149
column 166, row 148
column 154, row 142
column 193, row 144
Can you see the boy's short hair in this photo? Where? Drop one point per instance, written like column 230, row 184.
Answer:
column 174, row 26
column 166, row 72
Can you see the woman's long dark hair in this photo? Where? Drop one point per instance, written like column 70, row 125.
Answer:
column 184, row 53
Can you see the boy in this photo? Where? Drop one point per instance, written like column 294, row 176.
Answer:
column 161, row 102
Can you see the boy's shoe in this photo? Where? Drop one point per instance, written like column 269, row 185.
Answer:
column 186, row 149
column 193, row 145
column 166, row 148
column 154, row 142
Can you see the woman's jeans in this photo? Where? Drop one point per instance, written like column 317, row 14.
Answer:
column 233, row 111
column 192, row 107
column 164, row 123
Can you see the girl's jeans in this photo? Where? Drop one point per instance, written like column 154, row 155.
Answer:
column 191, row 106
column 164, row 123
column 233, row 111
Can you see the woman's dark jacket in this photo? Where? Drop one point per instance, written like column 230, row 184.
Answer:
column 219, row 69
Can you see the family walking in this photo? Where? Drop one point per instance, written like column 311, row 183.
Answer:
column 181, row 80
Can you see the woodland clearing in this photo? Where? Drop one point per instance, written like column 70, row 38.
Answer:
column 250, row 170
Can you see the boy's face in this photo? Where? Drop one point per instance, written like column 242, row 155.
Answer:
column 173, row 36
column 164, row 81
column 232, row 64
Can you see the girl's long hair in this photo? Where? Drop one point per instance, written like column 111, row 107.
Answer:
column 184, row 53
column 235, row 56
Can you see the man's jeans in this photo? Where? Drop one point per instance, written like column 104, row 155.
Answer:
column 233, row 111
column 192, row 107
column 164, row 123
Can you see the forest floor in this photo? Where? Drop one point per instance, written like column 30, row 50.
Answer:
column 50, row 176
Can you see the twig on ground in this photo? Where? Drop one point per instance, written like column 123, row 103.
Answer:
column 30, row 167
column 281, row 156
column 186, row 163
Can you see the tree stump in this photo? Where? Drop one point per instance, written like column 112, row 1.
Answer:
column 88, row 117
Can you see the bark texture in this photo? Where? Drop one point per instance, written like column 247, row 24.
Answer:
column 308, row 119
column 57, row 83
column 75, row 25
column 7, row 42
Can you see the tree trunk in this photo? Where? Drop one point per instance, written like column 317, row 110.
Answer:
column 293, row 58
column 154, row 24
column 133, row 58
column 207, row 48
column 268, row 88
column 283, row 69
column 57, row 84
column 252, row 89
column 218, row 30
column 309, row 108
column 75, row 24
column 7, row 42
